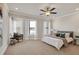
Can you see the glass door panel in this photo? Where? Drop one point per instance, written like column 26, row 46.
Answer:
column 32, row 29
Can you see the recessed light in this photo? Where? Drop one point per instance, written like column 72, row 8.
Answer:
column 16, row 8
column 77, row 9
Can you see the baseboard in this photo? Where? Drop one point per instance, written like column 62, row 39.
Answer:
column 3, row 49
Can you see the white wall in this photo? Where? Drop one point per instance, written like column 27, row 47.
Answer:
column 67, row 23
column 16, row 25
column 19, row 26
column 10, row 25
column 39, row 28
column 39, row 25
column 5, row 28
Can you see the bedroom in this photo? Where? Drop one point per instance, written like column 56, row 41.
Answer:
column 65, row 21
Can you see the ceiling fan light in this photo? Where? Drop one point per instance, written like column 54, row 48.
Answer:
column 16, row 8
column 47, row 13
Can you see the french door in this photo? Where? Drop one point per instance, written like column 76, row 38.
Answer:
column 30, row 29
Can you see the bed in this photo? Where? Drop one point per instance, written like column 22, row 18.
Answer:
column 58, row 42
column 67, row 35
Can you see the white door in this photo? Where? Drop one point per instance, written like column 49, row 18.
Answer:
column 32, row 30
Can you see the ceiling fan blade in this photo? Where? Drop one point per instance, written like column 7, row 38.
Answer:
column 52, row 9
column 42, row 10
column 53, row 12
column 47, row 8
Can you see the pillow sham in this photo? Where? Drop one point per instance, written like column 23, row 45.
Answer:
column 62, row 35
column 67, row 35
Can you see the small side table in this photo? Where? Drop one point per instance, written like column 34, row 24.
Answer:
column 77, row 40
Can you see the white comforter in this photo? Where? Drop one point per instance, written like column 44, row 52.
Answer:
column 56, row 42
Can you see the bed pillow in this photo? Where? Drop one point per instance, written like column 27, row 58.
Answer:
column 62, row 35
column 67, row 35
column 58, row 34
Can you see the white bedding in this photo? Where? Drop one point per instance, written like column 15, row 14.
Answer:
column 56, row 42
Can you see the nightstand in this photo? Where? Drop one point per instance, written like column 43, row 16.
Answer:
column 77, row 40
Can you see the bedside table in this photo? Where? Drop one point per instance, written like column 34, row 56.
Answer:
column 77, row 40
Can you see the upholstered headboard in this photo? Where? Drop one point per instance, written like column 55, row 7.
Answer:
column 63, row 32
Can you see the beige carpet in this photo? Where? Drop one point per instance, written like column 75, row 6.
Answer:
column 36, row 47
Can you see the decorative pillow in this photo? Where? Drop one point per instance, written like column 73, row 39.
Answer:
column 67, row 35
column 58, row 34
column 62, row 35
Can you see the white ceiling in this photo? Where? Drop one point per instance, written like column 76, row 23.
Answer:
column 34, row 8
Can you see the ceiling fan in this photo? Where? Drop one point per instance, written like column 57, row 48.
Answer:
column 48, row 11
